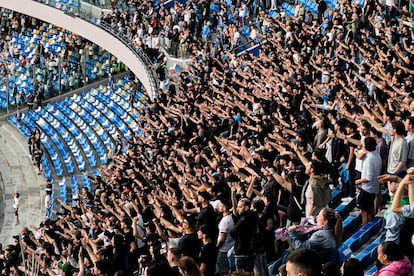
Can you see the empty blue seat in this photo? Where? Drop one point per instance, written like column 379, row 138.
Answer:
column 350, row 225
column 346, row 207
column 369, row 254
column 359, row 238
column 63, row 190
column 87, row 183
column 372, row 271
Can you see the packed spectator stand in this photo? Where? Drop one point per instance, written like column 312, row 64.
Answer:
column 288, row 131
column 40, row 61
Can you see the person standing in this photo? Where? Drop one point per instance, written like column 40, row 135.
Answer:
column 207, row 214
column 224, row 241
column 397, row 157
column 243, row 234
column 173, row 256
column 371, row 170
column 16, row 197
column 321, row 10
column 48, row 204
column 208, row 252
column 189, row 243
column 409, row 126
column 30, row 100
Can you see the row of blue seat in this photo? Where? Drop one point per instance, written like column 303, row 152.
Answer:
column 76, row 183
column 69, row 143
column 51, row 133
column 351, row 245
column 79, row 128
column 74, row 134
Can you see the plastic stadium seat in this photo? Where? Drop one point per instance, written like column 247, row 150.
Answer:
column 274, row 267
column 74, row 188
column 87, row 183
column 359, row 238
column 350, row 225
column 63, row 190
column 83, row 130
column 346, row 207
column 46, row 168
column 372, row 271
column 369, row 254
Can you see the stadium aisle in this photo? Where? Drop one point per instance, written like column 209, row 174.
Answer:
column 19, row 175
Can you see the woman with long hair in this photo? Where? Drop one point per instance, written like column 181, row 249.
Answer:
column 325, row 240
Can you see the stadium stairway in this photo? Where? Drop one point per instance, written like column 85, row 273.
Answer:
column 77, row 132
column 18, row 175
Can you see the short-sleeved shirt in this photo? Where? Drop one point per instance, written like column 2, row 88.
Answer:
column 16, row 203
column 408, row 211
column 226, row 224
column 189, row 245
column 371, row 170
column 410, row 156
column 208, row 256
column 398, row 153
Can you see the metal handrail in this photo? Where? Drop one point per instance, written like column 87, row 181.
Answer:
column 154, row 81
column 137, row 51
column 26, row 265
column 258, row 42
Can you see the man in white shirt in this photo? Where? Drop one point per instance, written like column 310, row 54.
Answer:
column 224, row 241
column 16, row 197
column 371, row 170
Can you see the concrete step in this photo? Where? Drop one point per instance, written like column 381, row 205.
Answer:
column 18, row 175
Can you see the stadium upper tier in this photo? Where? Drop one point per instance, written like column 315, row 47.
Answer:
column 91, row 32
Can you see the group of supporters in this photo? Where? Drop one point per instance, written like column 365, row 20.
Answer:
column 46, row 72
column 240, row 150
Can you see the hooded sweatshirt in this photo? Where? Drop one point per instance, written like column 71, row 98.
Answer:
column 397, row 268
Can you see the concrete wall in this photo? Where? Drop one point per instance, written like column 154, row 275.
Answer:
column 86, row 30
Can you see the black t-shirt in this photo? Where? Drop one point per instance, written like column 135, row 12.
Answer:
column 207, row 215
column 294, row 213
column 175, row 271
column 190, row 245
column 208, row 256
column 271, row 187
column 242, row 233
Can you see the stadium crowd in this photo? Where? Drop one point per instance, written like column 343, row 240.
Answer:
column 239, row 146
column 44, row 66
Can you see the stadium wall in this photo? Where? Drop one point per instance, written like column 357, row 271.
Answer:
column 88, row 31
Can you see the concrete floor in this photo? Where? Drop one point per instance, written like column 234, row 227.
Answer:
column 18, row 175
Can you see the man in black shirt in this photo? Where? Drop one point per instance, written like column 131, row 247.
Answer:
column 189, row 243
column 208, row 253
column 173, row 255
column 243, row 235
column 207, row 214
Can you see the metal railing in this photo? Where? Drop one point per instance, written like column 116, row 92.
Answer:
column 86, row 13
column 138, row 52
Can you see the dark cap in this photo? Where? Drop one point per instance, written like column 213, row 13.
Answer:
column 205, row 195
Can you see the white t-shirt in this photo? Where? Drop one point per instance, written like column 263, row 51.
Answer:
column 16, row 203
column 48, row 201
column 225, row 226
